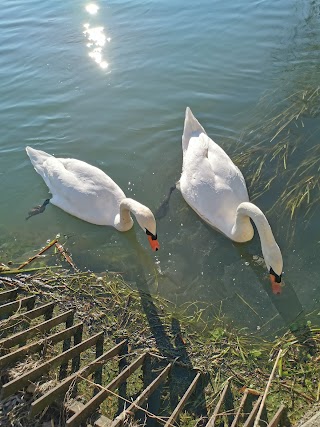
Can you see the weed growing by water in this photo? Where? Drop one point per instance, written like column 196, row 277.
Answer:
column 273, row 159
column 183, row 336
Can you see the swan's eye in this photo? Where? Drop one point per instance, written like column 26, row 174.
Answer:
column 276, row 276
column 153, row 237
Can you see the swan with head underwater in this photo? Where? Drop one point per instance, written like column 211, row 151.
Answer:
column 215, row 189
column 86, row 192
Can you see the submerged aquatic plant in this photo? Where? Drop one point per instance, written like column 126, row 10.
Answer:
column 273, row 159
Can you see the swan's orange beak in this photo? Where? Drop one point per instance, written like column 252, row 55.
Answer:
column 276, row 287
column 153, row 243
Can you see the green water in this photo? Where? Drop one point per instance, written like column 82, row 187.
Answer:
column 108, row 83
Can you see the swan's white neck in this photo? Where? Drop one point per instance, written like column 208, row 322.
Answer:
column 123, row 221
column 245, row 210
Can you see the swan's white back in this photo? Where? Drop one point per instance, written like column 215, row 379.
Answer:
column 210, row 182
column 78, row 188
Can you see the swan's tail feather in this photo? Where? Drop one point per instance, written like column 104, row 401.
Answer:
column 191, row 128
column 38, row 159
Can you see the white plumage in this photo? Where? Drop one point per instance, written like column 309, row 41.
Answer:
column 215, row 188
column 86, row 192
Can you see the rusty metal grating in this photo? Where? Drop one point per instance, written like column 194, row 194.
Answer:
column 27, row 330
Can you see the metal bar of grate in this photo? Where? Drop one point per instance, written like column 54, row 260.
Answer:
column 41, row 335
column 242, row 403
column 65, row 347
column 96, row 401
column 253, row 413
column 102, row 421
column 43, row 401
column 183, row 401
column 23, row 380
column 215, row 414
column 98, row 372
column 277, row 416
column 30, row 332
column 76, row 360
column 120, row 419
column 9, row 295
column 9, row 307
column 46, row 310
column 36, row 346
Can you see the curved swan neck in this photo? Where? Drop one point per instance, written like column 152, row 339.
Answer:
column 247, row 209
column 130, row 205
column 124, row 221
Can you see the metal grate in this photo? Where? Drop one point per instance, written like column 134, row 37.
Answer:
column 21, row 338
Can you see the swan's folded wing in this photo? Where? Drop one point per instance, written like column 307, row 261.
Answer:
column 61, row 180
column 224, row 168
column 83, row 190
column 219, row 160
column 84, row 171
column 211, row 184
column 79, row 176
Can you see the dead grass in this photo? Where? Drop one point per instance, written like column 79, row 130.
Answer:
column 107, row 302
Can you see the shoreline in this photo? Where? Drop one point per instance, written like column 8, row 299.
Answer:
column 151, row 323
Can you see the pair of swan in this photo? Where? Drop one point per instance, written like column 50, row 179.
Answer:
column 210, row 183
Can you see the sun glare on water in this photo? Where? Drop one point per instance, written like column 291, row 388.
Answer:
column 96, row 38
column 92, row 8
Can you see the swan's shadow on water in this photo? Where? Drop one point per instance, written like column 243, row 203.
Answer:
column 163, row 209
column 287, row 304
column 170, row 346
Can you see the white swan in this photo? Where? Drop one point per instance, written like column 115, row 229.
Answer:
column 88, row 193
column 215, row 188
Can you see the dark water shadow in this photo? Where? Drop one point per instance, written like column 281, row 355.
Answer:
column 163, row 209
column 287, row 304
column 170, row 345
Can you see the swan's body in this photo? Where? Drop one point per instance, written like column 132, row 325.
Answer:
column 215, row 188
column 88, row 193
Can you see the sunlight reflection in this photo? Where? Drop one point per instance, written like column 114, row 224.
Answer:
column 97, row 39
column 92, row 8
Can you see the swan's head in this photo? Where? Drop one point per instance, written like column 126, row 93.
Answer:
column 147, row 222
column 273, row 259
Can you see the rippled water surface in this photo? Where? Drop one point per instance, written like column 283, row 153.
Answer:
column 108, row 82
